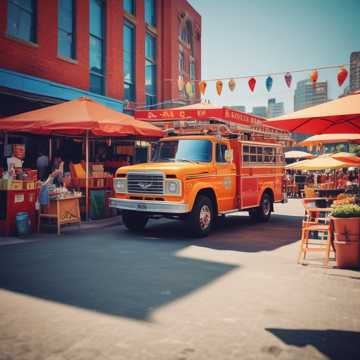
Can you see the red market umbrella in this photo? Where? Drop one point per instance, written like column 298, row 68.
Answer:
column 348, row 158
column 330, row 139
column 338, row 116
column 294, row 154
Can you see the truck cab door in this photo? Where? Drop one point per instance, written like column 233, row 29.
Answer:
column 225, row 177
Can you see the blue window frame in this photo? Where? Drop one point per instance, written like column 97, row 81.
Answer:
column 150, row 71
column 150, row 12
column 97, row 35
column 66, row 28
column 21, row 19
column 129, row 6
column 129, row 62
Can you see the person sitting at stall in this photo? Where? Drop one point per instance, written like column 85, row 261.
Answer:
column 14, row 162
column 42, row 165
column 44, row 188
column 58, row 164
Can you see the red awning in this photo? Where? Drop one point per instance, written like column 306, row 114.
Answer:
column 77, row 117
column 338, row 116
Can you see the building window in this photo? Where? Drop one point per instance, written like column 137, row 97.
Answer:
column 21, row 20
column 181, row 62
column 66, row 28
column 129, row 6
column 97, row 61
column 150, row 17
column 150, row 71
column 192, row 75
column 129, row 62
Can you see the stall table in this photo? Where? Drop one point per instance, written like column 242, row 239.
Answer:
column 65, row 210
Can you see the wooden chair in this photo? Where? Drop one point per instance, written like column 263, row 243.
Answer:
column 312, row 224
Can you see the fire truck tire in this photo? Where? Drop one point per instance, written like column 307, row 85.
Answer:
column 201, row 218
column 263, row 212
column 134, row 221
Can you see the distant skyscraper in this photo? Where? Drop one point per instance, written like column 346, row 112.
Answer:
column 260, row 111
column 275, row 109
column 241, row 108
column 308, row 94
column 355, row 71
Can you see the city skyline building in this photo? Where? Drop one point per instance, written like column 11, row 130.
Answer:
column 124, row 54
column 355, row 71
column 241, row 108
column 309, row 94
column 260, row 111
column 275, row 108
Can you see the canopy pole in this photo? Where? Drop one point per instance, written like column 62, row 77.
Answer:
column 87, row 175
column 50, row 148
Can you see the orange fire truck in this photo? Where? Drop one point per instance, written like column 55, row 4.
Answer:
column 213, row 161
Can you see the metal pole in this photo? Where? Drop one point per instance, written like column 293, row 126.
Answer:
column 87, row 175
column 50, row 148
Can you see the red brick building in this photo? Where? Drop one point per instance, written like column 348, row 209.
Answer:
column 124, row 53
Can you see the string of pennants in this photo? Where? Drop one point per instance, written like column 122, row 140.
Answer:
column 231, row 82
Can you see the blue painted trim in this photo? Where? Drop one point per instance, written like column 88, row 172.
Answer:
column 35, row 85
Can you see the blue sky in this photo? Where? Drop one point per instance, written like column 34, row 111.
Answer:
column 249, row 37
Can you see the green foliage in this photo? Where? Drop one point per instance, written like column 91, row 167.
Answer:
column 346, row 211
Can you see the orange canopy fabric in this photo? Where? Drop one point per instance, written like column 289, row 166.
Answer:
column 338, row 116
column 330, row 139
column 77, row 117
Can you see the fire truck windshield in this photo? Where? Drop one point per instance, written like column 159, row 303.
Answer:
column 187, row 150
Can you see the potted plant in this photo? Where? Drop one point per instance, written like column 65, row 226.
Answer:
column 346, row 219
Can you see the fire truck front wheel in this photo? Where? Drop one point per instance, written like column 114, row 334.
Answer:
column 134, row 221
column 201, row 218
column 263, row 212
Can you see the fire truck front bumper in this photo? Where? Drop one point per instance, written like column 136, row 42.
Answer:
column 165, row 207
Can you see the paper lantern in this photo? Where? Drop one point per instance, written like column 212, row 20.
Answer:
column 219, row 86
column 232, row 84
column 189, row 89
column 181, row 84
column 288, row 79
column 252, row 83
column 269, row 83
column 202, row 87
column 342, row 75
column 314, row 76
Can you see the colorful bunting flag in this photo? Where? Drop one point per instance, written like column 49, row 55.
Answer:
column 252, row 83
column 288, row 79
column 269, row 83
column 342, row 75
column 232, row 84
column 219, row 86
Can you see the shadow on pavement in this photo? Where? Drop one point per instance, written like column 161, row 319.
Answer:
column 238, row 233
column 113, row 273
column 335, row 344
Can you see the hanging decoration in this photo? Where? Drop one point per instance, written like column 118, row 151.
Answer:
column 232, row 84
column 314, row 76
column 342, row 75
column 189, row 89
column 219, row 86
column 252, row 83
column 288, row 79
column 181, row 84
column 202, row 87
column 269, row 83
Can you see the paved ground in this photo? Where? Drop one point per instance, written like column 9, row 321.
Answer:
column 239, row 294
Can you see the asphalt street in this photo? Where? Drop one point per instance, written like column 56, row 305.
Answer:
column 238, row 294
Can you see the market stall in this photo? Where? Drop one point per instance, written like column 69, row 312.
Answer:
column 85, row 121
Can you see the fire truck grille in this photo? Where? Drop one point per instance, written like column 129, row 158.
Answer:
column 145, row 183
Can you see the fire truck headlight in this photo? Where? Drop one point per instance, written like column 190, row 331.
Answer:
column 120, row 185
column 173, row 187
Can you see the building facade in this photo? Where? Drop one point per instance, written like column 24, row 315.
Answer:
column 308, row 94
column 355, row 71
column 275, row 108
column 123, row 53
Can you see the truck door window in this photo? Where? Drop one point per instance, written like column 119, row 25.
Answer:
column 220, row 153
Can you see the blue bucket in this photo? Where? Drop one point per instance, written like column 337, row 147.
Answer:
column 22, row 224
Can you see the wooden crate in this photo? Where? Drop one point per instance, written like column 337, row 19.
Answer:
column 7, row 184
